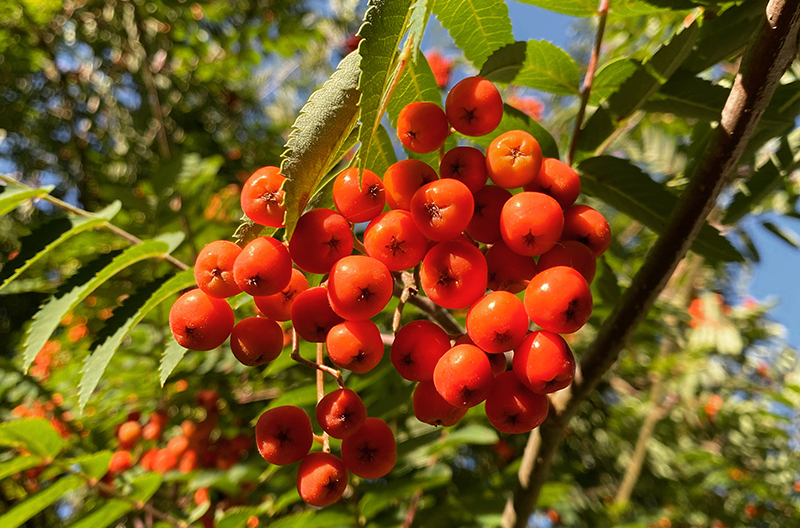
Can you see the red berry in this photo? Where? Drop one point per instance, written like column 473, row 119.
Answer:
column 587, row 226
column 497, row 322
column 358, row 203
column 508, row 270
column 213, row 269
column 355, row 345
column 256, row 341
column 512, row 408
column 557, row 180
column 165, row 461
column 442, row 209
column 320, row 238
column 128, row 434
column 544, row 362
column 284, row 435
column 278, row 306
column 394, row 239
column 120, row 462
column 463, row 376
column 570, row 253
column 474, row 106
column 148, row 459
column 312, row 315
column 262, row 197
column 263, row 267
column 531, row 223
column 465, row 164
column 513, row 159
column 341, row 413
column 372, row 451
column 402, row 179
column 321, row 479
column 200, row 322
column 453, row 274
column 359, row 287
column 431, row 408
column 558, row 300
column 422, row 127
column 417, row 348
column 485, row 223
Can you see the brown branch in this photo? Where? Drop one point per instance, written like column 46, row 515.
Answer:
column 431, row 310
column 80, row 212
column 586, row 91
column 766, row 59
column 412, row 509
column 409, row 289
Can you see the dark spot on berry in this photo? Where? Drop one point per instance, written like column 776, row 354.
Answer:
column 283, row 436
column 466, row 394
column 331, row 485
column 529, row 239
column 189, row 331
column 479, row 209
column 334, row 244
column 584, row 240
column 569, row 313
column 373, row 190
column 433, row 211
column 395, row 245
column 511, row 419
column 469, row 115
column 254, row 281
column 360, row 357
column 269, row 197
column 407, row 360
column 366, row 294
column 216, row 272
column 288, row 295
column 411, row 134
column 502, row 337
column 445, row 278
column 367, row 453
column 456, row 167
column 546, row 190
column 344, row 416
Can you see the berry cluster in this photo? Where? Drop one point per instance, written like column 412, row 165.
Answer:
column 464, row 232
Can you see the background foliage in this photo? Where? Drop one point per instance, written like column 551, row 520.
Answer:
column 151, row 114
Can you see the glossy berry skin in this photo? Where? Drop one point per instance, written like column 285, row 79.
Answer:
column 544, row 363
column 422, row 127
column 129, row 433
column 508, row 270
column 512, row 408
column 312, row 315
column 557, row 180
column 497, row 322
column 320, row 238
column 262, row 197
column 531, row 223
column 359, row 287
column 587, row 226
column 463, row 376
column 321, row 479
column 558, row 300
column 263, row 267
column 485, row 223
column 200, row 322
column 341, row 413
column 372, row 451
column 453, row 274
column 417, row 348
column 256, row 341
column 573, row 254
column 213, row 269
column 278, row 306
column 442, row 209
column 394, row 239
column 431, row 408
column 465, row 164
column 474, row 106
column 120, row 462
column 513, row 159
column 355, row 345
column 358, row 203
column 402, row 179
column 284, row 435
column 498, row 361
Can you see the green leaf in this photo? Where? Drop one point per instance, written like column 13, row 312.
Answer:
column 382, row 154
column 471, row 434
column 536, row 64
column 587, row 8
column 376, row 500
column 17, row 464
column 416, row 83
column 95, row 465
column 143, row 489
column 417, row 20
column 610, row 77
column 629, row 190
column 637, row 89
column 47, row 319
column 327, row 518
column 20, row 513
column 12, row 196
column 478, row 27
column 125, row 318
column 47, row 237
column 606, row 283
column 173, row 353
column 383, row 29
column 760, row 185
column 320, row 130
column 514, row 119
column 35, row 435
column 783, row 234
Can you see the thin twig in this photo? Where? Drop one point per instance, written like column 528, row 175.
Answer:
column 326, row 441
column 409, row 290
column 586, row 91
column 80, row 212
column 431, row 310
column 766, row 59
column 319, row 366
column 412, row 509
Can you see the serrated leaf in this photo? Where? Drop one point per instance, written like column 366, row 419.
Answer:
column 131, row 313
column 47, row 237
column 382, row 154
column 536, row 64
column 143, row 488
column 587, row 8
column 383, row 29
column 783, row 234
column 321, row 128
column 417, row 83
column 629, row 190
column 13, row 196
column 35, row 435
column 47, row 319
column 173, row 353
column 514, row 119
column 95, row 464
column 418, row 18
column 20, row 513
column 477, row 27
column 17, row 464
column 610, row 77
column 637, row 89
column 247, row 231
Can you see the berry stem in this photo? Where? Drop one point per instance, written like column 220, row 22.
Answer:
column 357, row 244
column 319, row 366
column 431, row 310
column 409, row 288
column 326, row 442
column 586, row 91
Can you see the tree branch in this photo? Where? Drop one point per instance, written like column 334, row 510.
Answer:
column 766, row 59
